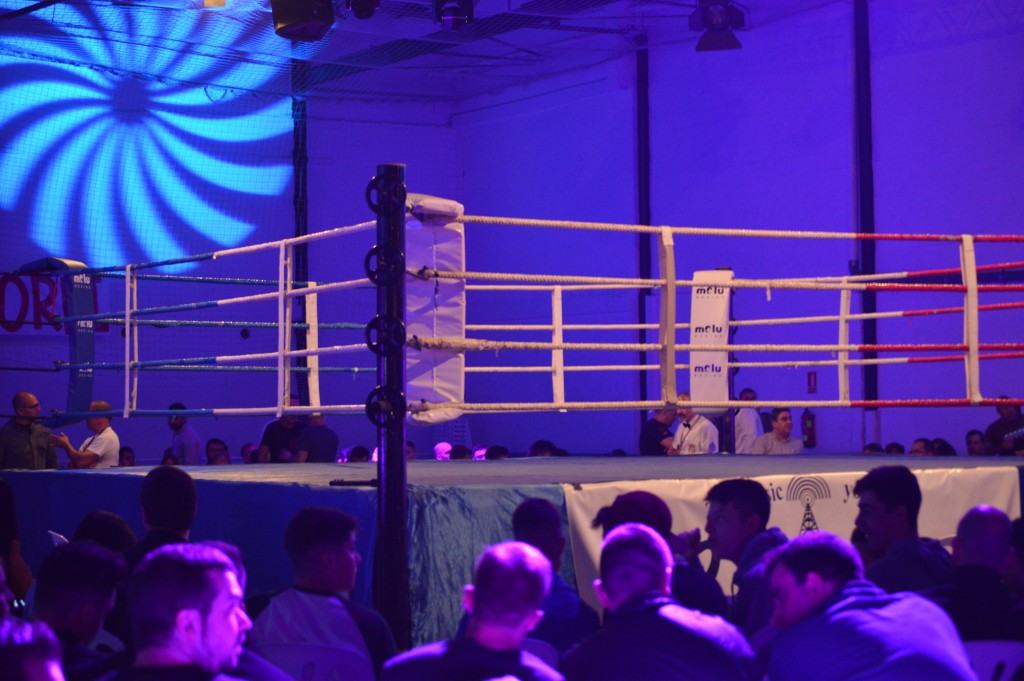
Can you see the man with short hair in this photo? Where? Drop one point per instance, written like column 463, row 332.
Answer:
column 315, row 612
column 100, row 450
column 125, row 457
column 280, row 440
column 837, row 626
column 922, row 446
column 747, row 424
column 977, row 600
column 187, row 615
column 29, row 652
column 24, row 442
column 737, row 527
column 889, row 501
column 510, row 582
column 975, row 441
column 217, row 453
column 1010, row 422
column 185, row 441
column 75, row 590
column 695, row 434
column 648, row 635
column 780, row 440
column 317, row 442
column 656, row 436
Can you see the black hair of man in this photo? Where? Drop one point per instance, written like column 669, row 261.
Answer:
column 169, row 499
column 537, row 522
column 778, row 411
column 359, row 453
column 172, row 578
column 77, row 572
column 510, row 581
column 873, row 448
column 234, row 554
column 634, row 559
column 106, row 529
column 636, row 507
column 24, row 646
column 748, row 497
column 495, row 452
column 893, row 486
column 895, row 448
column 314, row 528
column 460, row 453
column 177, row 406
column 542, row 448
column 829, row 556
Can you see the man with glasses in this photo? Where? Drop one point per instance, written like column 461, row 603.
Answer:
column 24, row 442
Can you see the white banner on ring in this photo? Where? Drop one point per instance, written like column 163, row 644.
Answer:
column 709, row 325
column 948, row 495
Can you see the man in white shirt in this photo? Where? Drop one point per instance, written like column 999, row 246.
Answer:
column 98, row 451
column 747, row 423
column 696, row 434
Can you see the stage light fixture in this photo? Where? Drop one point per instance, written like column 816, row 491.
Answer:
column 307, row 20
column 717, row 19
column 362, row 9
column 453, row 14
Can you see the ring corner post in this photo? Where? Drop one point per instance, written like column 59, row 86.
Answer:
column 391, row 567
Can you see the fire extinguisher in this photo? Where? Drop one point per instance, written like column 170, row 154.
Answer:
column 807, row 429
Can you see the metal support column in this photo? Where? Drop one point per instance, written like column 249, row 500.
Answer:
column 386, row 406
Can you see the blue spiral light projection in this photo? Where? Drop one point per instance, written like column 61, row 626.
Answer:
column 121, row 142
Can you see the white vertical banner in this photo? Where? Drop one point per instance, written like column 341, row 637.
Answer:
column 434, row 238
column 709, row 325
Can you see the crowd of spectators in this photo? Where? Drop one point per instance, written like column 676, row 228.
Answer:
column 898, row 606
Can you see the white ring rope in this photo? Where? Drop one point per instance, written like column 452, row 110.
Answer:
column 307, row 238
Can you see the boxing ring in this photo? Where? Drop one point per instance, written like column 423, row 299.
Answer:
column 423, row 522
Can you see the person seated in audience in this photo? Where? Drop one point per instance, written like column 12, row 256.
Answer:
column 922, row 446
column 74, row 593
column 1010, row 422
column 873, row 449
column 567, row 619
column 125, row 457
column 280, row 441
column 647, row 634
column 107, row 529
column 187, row 615
column 656, row 434
column 169, row 459
column 1014, row 572
column 835, row 626
column 975, row 442
column 541, row 448
column 780, row 440
column 510, row 582
column 217, row 453
column 690, row 585
column 978, row 601
column 442, row 451
column 496, row 452
column 941, row 447
column 460, row 453
column 29, row 652
column 169, row 501
column 895, row 448
column 410, row 450
column 315, row 610
column 479, row 453
column 248, row 453
column 317, row 443
column 358, row 454
column 889, row 500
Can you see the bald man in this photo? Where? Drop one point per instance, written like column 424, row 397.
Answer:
column 24, row 442
column 99, row 451
column 977, row 600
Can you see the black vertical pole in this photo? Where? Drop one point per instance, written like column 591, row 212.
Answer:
column 300, row 200
column 865, row 184
column 643, row 182
column 385, row 266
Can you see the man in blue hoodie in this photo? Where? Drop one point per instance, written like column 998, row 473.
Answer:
column 737, row 527
column 889, row 500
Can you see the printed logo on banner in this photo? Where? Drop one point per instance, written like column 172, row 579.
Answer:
column 708, row 329
column 808, row 489
column 710, row 368
column 710, row 291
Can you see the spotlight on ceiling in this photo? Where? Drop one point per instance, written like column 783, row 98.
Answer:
column 302, row 19
column 453, row 14
column 718, row 19
column 362, row 9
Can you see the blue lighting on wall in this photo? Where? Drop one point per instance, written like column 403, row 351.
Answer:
column 116, row 147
